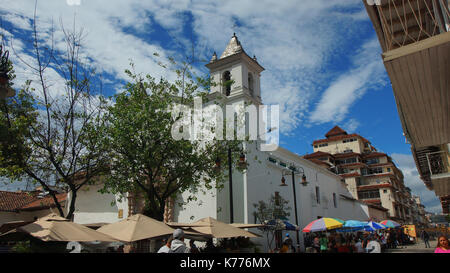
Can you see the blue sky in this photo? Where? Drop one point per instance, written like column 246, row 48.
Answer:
column 322, row 58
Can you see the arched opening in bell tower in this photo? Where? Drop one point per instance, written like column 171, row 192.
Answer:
column 250, row 83
column 227, row 82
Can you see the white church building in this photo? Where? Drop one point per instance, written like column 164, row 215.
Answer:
column 324, row 194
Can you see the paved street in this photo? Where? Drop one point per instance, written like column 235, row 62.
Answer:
column 419, row 247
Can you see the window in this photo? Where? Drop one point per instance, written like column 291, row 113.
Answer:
column 369, row 194
column 347, row 161
column 384, row 191
column 323, row 145
column 348, row 151
column 342, row 170
column 227, row 82
column 334, row 200
column 375, row 170
column 273, row 160
column 250, row 83
column 282, row 164
column 349, row 140
column 316, row 146
column 372, row 161
column 318, row 195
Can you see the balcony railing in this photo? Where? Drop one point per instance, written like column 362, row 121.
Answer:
column 438, row 163
column 403, row 22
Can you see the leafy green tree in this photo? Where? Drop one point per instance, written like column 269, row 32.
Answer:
column 45, row 130
column 274, row 211
column 146, row 159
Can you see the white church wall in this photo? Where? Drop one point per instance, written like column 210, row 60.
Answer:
column 92, row 206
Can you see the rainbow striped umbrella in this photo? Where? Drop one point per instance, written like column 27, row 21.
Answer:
column 390, row 224
column 323, row 224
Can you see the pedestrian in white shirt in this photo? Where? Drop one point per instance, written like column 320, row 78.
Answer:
column 166, row 248
column 359, row 247
column 178, row 245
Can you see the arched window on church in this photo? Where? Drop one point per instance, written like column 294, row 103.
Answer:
column 250, row 83
column 227, row 82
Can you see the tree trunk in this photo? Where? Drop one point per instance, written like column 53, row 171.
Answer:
column 154, row 210
column 72, row 202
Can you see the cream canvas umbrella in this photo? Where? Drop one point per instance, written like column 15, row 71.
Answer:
column 136, row 227
column 238, row 225
column 219, row 229
column 57, row 229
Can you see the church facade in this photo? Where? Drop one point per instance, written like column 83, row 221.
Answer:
column 324, row 195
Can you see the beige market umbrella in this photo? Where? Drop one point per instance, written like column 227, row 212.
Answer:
column 136, row 227
column 238, row 225
column 219, row 229
column 57, row 229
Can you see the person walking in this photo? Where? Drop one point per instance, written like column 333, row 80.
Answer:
column 288, row 242
column 166, row 248
column 358, row 246
column 316, row 244
column 323, row 243
column 194, row 248
column 425, row 237
column 178, row 245
column 442, row 245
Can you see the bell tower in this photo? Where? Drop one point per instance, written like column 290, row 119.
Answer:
column 236, row 75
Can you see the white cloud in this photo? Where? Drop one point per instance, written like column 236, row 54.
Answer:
column 351, row 125
column 366, row 73
column 405, row 162
column 293, row 40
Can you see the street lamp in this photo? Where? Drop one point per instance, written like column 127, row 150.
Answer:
column 242, row 164
column 5, row 90
column 293, row 171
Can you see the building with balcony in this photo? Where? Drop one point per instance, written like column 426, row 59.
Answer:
column 415, row 40
column 369, row 175
column 418, row 211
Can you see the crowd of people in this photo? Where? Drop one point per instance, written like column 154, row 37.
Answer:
column 355, row 242
column 321, row 242
column 175, row 244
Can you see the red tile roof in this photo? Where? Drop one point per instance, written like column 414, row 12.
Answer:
column 318, row 162
column 350, row 175
column 352, row 164
column 374, row 154
column 381, row 165
column 45, row 202
column 15, row 201
column 336, row 131
column 317, row 154
column 344, row 155
column 339, row 137
column 380, row 174
column 11, row 201
column 370, row 187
